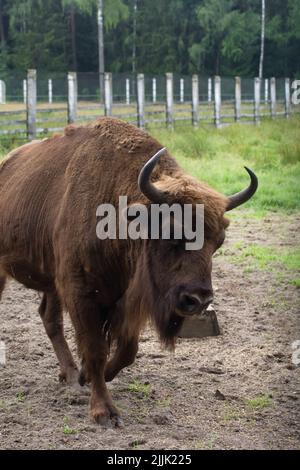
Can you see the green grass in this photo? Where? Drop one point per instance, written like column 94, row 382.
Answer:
column 247, row 409
column 218, row 156
column 67, row 430
column 164, row 402
column 265, row 257
column 272, row 150
column 20, row 397
column 296, row 283
column 260, row 402
column 139, row 388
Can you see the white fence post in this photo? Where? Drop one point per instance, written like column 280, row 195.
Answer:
column 31, row 104
column 25, row 91
column 218, row 105
column 154, row 90
column 170, row 100
column 2, row 92
column 72, row 97
column 266, row 91
column 127, row 91
column 50, row 91
column 195, row 100
column 141, row 100
column 209, row 91
column 273, row 97
column 287, row 87
column 108, row 99
column 238, row 99
column 257, row 85
column 181, row 84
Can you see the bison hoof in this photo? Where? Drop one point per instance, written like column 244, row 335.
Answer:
column 69, row 376
column 107, row 417
column 83, row 378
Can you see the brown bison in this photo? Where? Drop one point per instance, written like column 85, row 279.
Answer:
column 49, row 194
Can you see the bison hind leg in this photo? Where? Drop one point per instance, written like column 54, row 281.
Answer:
column 51, row 314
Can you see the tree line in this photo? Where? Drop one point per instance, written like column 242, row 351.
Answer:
column 211, row 37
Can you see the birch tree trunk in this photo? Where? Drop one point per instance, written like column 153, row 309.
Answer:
column 262, row 46
column 73, row 37
column 134, row 37
column 101, row 48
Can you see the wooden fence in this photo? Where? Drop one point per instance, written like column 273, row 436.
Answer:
column 36, row 119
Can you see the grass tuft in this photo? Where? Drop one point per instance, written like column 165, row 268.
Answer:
column 67, row 430
column 20, row 397
column 260, row 402
column 139, row 388
column 296, row 283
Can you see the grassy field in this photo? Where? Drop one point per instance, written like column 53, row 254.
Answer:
column 272, row 150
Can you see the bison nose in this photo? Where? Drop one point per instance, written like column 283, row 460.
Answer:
column 193, row 303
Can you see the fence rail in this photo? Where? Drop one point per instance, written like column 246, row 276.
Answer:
column 47, row 105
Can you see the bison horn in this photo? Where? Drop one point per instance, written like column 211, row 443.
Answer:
column 144, row 182
column 243, row 196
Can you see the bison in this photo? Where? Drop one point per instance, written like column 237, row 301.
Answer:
column 49, row 193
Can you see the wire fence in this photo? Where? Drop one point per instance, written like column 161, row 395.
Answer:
column 89, row 89
column 38, row 105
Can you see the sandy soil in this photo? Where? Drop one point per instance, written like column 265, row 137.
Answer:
column 195, row 398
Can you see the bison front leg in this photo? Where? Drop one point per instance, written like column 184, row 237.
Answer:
column 124, row 356
column 94, row 349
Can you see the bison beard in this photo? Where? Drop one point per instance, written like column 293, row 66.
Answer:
column 168, row 325
column 143, row 301
column 49, row 193
column 161, row 310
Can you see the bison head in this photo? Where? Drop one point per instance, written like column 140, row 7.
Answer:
column 178, row 280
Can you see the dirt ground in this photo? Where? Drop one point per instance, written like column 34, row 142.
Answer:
column 236, row 391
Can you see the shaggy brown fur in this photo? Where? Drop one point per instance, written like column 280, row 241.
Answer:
column 49, row 193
